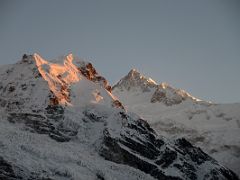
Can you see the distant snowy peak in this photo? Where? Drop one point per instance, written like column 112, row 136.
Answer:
column 135, row 82
column 67, row 80
column 134, row 74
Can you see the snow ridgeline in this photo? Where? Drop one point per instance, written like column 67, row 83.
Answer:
column 135, row 82
column 59, row 120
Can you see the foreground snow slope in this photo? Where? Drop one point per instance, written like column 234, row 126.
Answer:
column 175, row 113
column 59, row 120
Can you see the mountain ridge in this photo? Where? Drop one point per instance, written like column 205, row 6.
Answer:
column 72, row 127
column 163, row 92
column 175, row 113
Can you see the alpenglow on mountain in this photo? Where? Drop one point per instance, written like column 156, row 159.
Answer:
column 175, row 113
column 59, row 120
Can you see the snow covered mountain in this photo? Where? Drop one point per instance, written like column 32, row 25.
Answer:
column 175, row 113
column 59, row 120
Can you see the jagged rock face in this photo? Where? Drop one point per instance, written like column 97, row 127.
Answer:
column 86, row 138
column 90, row 73
column 51, row 123
column 138, row 146
column 61, row 76
column 6, row 171
column 128, row 141
column 169, row 96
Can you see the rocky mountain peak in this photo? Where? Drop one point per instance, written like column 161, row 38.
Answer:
column 133, row 73
column 162, row 93
column 133, row 80
column 54, row 82
column 136, row 75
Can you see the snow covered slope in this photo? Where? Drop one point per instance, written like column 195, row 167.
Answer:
column 175, row 113
column 59, row 120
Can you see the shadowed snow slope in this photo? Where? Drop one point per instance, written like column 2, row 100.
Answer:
column 175, row 113
column 59, row 120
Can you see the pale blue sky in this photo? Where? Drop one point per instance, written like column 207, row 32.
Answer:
column 194, row 45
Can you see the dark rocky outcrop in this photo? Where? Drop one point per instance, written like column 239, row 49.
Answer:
column 168, row 95
column 6, row 171
column 91, row 74
column 138, row 146
column 52, row 124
